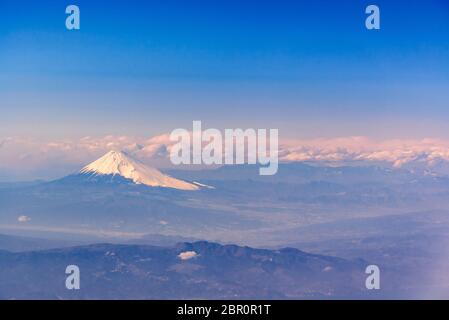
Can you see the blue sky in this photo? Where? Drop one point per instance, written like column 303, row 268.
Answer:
column 310, row 68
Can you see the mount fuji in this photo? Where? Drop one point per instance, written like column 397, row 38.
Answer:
column 118, row 164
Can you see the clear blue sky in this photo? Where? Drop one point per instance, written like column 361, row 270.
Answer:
column 309, row 68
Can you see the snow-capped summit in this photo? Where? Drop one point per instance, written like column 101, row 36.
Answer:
column 121, row 164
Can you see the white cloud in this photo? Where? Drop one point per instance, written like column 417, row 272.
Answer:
column 186, row 255
column 23, row 219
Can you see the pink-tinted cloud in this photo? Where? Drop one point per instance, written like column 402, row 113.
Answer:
column 397, row 152
column 36, row 158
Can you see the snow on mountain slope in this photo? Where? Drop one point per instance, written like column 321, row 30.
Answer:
column 120, row 163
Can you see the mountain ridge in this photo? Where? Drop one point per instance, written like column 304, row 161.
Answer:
column 187, row 270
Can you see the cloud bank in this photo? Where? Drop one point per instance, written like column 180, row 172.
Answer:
column 23, row 158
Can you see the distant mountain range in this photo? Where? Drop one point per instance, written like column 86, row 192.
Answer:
column 109, row 198
column 199, row 270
